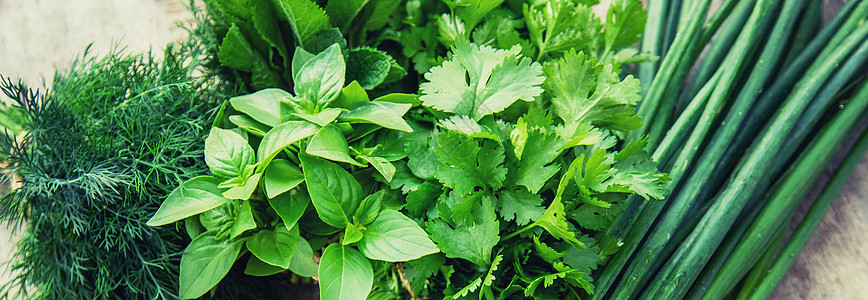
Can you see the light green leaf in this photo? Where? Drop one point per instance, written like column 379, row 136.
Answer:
column 205, row 262
column 353, row 233
column 351, row 96
column 274, row 247
column 554, row 221
column 243, row 220
column 521, row 206
column 386, row 114
column 321, row 78
column 330, row 143
column 282, row 136
column 302, row 263
column 306, row 18
column 263, row 106
column 322, row 118
column 250, row 125
column 497, row 78
column 299, row 58
column 244, row 192
column 257, row 267
column 386, row 168
column 334, row 192
column 281, row 176
column 625, row 21
column 473, row 243
column 193, row 197
column 394, row 237
column 227, row 153
column 536, row 149
column 290, row 206
column 344, row 274
column 412, row 99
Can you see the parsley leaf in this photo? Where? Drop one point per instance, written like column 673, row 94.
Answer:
column 521, row 206
column 466, row 165
column 480, row 80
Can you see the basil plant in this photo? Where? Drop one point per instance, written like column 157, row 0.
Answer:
column 327, row 145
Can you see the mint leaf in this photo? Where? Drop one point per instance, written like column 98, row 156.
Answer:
column 304, row 16
column 480, row 80
column 521, row 206
column 466, row 165
column 368, row 66
column 235, row 52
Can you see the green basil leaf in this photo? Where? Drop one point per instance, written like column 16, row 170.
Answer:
column 227, row 153
column 263, row 106
column 249, row 124
column 244, row 191
column 323, row 118
column 290, row 207
column 257, row 267
column 386, row 114
column 282, row 136
column 351, row 96
column 352, row 234
column 243, row 220
column 299, row 58
column 274, row 247
column 334, row 192
column 330, row 143
column 205, row 262
column 193, row 227
column 395, row 237
column 386, row 168
column 369, row 209
column 281, row 176
column 411, row 99
column 193, row 197
column 344, row 274
column 302, row 263
column 219, row 217
column 322, row 77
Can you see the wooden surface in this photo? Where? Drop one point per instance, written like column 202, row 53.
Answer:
column 41, row 35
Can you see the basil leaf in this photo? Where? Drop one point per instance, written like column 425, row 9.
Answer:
column 323, row 118
column 382, row 165
column 274, row 247
column 352, row 234
column 244, row 191
column 395, row 237
column 249, row 124
column 351, row 96
column 386, row 114
column 330, row 143
column 369, row 209
column 344, row 274
column 205, row 262
column 290, row 207
column 243, row 220
column 263, row 106
column 281, row 176
column 193, row 197
column 257, row 267
column 227, row 153
column 321, row 78
column 282, row 136
column 334, row 192
column 302, row 262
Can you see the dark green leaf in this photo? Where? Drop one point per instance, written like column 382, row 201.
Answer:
column 235, row 52
column 368, row 66
column 466, row 165
column 290, row 206
column 521, row 206
column 342, row 12
column 473, row 243
column 306, row 18
column 256, row 267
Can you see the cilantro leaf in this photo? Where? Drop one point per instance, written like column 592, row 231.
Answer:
column 521, row 206
column 481, row 80
column 466, row 165
column 534, row 167
column 602, row 98
column 560, row 25
column 473, row 243
column 418, row 270
column 624, row 23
